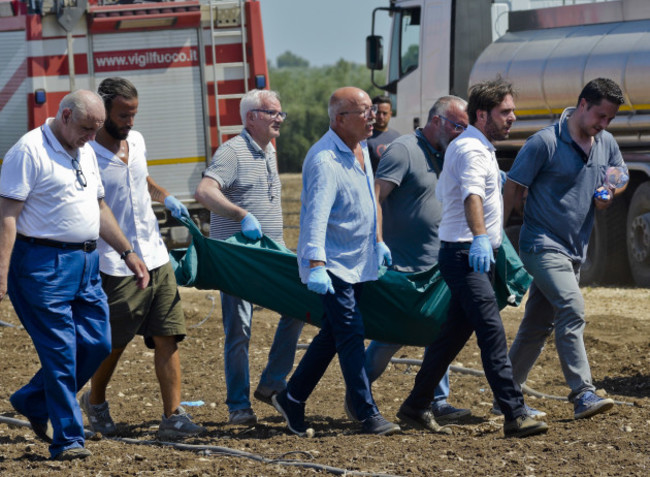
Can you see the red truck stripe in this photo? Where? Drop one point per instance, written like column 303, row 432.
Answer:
column 12, row 85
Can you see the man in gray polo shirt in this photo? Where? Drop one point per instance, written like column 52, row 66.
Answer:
column 405, row 187
column 562, row 166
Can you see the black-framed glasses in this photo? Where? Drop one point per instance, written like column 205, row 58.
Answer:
column 457, row 127
column 366, row 112
column 274, row 114
column 80, row 174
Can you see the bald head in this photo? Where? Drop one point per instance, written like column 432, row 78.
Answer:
column 82, row 103
column 344, row 99
column 81, row 114
column 351, row 115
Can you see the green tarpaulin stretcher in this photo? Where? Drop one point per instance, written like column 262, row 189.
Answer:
column 398, row 308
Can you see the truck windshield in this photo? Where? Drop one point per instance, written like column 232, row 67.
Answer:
column 405, row 40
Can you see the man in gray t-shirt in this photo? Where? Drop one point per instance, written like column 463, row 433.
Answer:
column 409, row 215
column 382, row 135
column 562, row 167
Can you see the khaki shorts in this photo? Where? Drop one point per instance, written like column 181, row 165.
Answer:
column 155, row 311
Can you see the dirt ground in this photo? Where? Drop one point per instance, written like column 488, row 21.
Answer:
column 616, row 444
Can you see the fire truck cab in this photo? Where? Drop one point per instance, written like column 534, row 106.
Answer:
column 191, row 61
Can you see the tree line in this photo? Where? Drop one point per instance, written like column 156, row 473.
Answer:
column 305, row 91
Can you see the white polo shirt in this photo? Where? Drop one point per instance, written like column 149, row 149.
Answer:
column 38, row 171
column 127, row 194
column 470, row 167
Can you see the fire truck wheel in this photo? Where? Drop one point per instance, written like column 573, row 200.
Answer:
column 606, row 261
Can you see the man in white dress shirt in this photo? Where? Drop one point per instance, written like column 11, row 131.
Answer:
column 470, row 234
column 156, row 312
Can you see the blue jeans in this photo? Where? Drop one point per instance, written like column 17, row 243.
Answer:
column 378, row 356
column 472, row 308
column 342, row 332
column 57, row 295
column 237, row 317
column 554, row 302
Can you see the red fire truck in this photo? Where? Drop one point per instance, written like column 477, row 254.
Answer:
column 189, row 103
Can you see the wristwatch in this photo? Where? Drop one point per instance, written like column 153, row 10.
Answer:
column 125, row 253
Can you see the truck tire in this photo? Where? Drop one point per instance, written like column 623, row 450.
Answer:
column 638, row 235
column 606, row 261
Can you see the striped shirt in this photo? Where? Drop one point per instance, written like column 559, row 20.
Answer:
column 338, row 218
column 248, row 177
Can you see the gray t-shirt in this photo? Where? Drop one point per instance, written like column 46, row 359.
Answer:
column 377, row 144
column 561, row 180
column 411, row 213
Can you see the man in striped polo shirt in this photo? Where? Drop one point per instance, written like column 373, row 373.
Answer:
column 241, row 187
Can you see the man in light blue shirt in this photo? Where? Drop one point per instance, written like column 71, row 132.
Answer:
column 337, row 252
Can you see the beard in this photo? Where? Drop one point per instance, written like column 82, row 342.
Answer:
column 112, row 129
column 493, row 132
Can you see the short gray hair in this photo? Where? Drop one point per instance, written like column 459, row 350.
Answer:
column 253, row 100
column 77, row 102
column 334, row 106
column 442, row 105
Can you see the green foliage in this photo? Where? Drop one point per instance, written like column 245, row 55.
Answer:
column 291, row 60
column 305, row 92
column 410, row 58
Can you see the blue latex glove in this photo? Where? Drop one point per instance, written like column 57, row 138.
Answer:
column 383, row 254
column 176, row 207
column 602, row 194
column 251, row 227
column 481, row 254
column 319, row 281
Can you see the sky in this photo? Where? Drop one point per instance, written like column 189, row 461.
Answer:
column 321, row 31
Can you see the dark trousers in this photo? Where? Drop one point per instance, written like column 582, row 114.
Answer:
column 472, row 308
column 342, row 332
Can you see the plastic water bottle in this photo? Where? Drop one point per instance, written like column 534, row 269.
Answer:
column 615, row 178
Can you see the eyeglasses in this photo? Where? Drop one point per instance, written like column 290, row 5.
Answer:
column 274, row 114
column 80, row 174
column 457, row 127
column 366, row 112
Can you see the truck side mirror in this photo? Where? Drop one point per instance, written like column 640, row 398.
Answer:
column 375, row 52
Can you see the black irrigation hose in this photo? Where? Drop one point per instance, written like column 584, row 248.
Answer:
column 218, row 450
column 208, row 450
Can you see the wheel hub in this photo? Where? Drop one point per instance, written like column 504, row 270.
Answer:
column 640, row 237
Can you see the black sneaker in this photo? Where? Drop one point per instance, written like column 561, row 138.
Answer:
column 422, row 419
column 43, row 430
column 264, row 397
column 523, row 426
column 293, row 413
column 378, row 425
column 73, row 453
